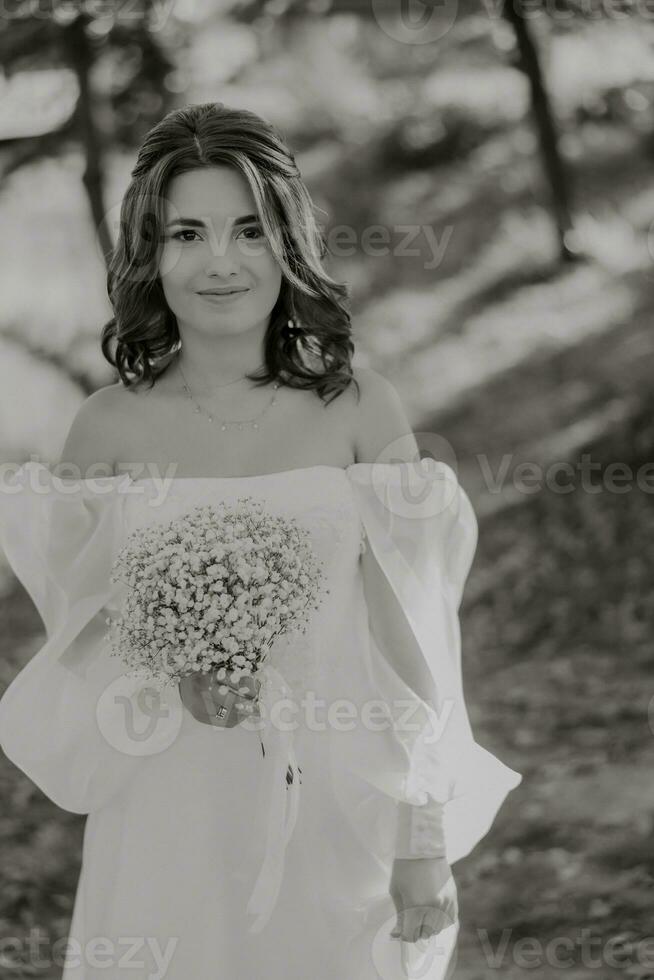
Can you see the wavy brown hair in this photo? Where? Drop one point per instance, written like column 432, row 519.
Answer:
column 142, row 337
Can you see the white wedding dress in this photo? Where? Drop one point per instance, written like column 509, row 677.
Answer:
column 200, row 860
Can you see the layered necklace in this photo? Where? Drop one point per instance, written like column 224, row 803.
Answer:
column 225, row 423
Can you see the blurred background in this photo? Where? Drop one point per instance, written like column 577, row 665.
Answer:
column 505, row 151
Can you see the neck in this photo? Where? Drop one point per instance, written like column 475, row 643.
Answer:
column 209, row 361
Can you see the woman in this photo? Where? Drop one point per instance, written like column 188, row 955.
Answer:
column 233, row 349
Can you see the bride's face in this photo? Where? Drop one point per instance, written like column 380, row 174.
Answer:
column 213, row 238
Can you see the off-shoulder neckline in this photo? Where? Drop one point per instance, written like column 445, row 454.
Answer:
column 345, row 470
column 253, row 476
column 126, row 479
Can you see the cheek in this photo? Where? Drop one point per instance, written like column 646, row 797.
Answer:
column 177, row 264
column 269, row 272
column 174, row 283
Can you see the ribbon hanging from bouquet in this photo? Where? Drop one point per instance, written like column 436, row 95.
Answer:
column 281, row 796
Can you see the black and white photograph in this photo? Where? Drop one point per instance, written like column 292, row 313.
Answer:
column 326, row 476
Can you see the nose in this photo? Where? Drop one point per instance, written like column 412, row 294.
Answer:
column 222, row 265
column 224, row 255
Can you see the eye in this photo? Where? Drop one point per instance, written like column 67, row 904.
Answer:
column 258, row 233
column 185, row 231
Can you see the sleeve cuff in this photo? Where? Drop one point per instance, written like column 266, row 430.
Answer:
column 420, row 832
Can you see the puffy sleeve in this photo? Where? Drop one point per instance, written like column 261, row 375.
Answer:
column 434, row 783
column 61, row 717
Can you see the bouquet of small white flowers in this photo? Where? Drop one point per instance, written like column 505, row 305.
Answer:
column 211, row 590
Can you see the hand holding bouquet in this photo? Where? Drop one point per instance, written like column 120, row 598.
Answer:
column 207, row 594
column 214, row 701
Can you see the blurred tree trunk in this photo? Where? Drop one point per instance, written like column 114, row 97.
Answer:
column 81, row 59
column 555, row 169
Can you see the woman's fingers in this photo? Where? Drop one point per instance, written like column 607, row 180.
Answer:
column 409, row 923
column 433, row 922
column 421, row 922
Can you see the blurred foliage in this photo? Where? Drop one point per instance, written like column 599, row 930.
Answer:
column 129, row 62
column 84, row 43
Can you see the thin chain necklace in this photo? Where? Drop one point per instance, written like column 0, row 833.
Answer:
column 253, row 422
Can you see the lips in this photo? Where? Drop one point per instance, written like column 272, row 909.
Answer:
column 219, row 292
column 222, row 299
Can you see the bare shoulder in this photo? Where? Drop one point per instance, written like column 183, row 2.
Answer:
column 92, row 438
column 381, row 422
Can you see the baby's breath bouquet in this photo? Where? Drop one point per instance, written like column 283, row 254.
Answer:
column 211, row 590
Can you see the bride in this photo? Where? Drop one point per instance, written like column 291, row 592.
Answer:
column 233, row 350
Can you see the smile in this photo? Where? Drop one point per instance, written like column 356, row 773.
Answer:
column 223, row 297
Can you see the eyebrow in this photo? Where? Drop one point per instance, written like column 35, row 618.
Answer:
column 245, row 219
